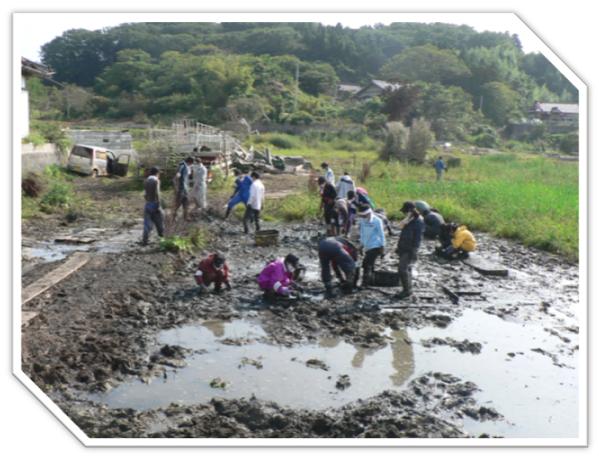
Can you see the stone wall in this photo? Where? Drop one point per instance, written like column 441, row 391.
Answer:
column 36, row 158
column 118, row 142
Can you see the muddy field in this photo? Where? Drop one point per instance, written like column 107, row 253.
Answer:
column 128, row 348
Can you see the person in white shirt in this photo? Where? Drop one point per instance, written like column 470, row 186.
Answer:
column 199, row 184
column 328, row 173
column 344, row 185
column 255, row 203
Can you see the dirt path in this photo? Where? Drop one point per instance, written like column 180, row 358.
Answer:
column 425, row 371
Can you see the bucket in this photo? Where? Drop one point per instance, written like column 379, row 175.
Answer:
column 385, row 278
column 267, row 237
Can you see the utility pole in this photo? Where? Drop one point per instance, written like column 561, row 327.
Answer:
column 480, row 106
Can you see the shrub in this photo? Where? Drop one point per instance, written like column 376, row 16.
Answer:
column 396, row 139
column 176, row 244
column 60, row 194
column 282, row 142
column 419, row 141
column 31, row 185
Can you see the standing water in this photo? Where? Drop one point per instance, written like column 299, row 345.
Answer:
column 536, row 391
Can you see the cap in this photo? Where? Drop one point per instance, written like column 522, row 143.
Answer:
column 407, row 207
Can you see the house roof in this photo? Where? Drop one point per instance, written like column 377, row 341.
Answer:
column 386, row 85
column 547, row 107
column 382, row 85
column 30, row 68
column 353, row 88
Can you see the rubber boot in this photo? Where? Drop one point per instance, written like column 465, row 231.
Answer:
column 367, row 277
column 228, row 212
column 328, row 291
column 406, row 284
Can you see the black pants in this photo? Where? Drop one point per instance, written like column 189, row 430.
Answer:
column 406, row 260
column 368, row 264
column 330, row 253
column 249, row 216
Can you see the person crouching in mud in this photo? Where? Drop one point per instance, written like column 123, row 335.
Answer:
column 213, row 269
column 457, row 242
column 412, row 227
column 340, row 254
column 278, row 278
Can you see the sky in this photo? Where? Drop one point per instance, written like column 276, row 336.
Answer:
column 32, row 30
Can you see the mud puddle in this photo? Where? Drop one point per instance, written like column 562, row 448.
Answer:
column 231, row 360
column 104, row 241
column 536, row 391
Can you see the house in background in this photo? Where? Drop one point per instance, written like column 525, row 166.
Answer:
column 558, row 117
column 28, row 69
column 347, row 90
column 375, row 89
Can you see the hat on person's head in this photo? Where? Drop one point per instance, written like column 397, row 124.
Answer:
column 189, row 159
column 154, row 171
column 292, row 259
column 364, row 210
column 407, row 206
column 219, row 260
column 321, row 180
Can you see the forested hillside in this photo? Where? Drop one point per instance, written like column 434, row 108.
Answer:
column 462, row 81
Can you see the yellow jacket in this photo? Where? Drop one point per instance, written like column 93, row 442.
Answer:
column 463, row 239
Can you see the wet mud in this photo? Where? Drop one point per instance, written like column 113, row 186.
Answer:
column 99, row 330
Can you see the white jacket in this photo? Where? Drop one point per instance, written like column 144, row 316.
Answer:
column 256, row 199
column 345, row 184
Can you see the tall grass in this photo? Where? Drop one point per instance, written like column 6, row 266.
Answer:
column 523, row 197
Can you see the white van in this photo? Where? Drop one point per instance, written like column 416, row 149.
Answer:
column 96, row 161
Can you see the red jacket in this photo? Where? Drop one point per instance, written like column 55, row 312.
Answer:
column 207, row 274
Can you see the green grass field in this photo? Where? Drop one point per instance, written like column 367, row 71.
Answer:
column 519, row 196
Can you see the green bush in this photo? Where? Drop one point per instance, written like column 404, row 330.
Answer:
column 283, row 142
column 176, row 244
column 60, row 194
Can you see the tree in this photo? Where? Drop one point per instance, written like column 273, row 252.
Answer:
column 500, row 102
column 398, row 103
column 420, row 140
column 449, row 110
column 78, row 56
column 396, row 140
column 426, row 63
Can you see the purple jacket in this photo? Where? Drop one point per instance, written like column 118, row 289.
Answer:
column 275, row 277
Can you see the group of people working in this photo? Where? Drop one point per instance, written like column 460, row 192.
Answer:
column 344, row 205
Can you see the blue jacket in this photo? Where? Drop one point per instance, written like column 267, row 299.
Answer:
column 411, row 236
column 372, row 233
column 439, row 165
column 243, row 187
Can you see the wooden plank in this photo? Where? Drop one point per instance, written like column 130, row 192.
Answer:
column 485, row 267
column 27, row 315
column 453, row 296
column 74, row 262
column 74, row 240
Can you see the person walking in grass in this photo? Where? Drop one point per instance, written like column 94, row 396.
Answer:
column 440, row 168
column 153, row 213
column 328, row 173
column 255, row 203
